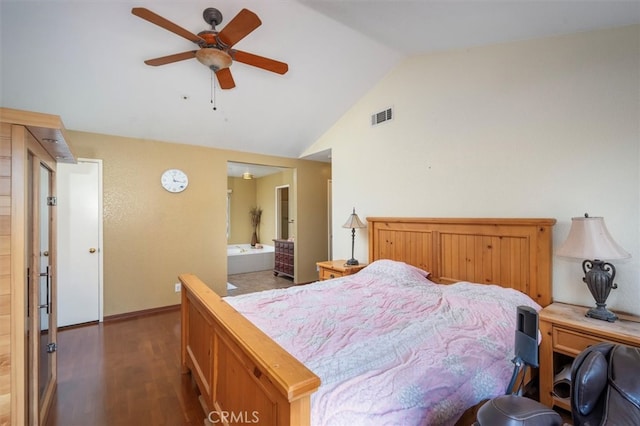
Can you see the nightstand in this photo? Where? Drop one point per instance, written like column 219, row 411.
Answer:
column 336, row 268
column 566, row 332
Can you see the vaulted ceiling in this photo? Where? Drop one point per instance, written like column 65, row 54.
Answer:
column 83, row 60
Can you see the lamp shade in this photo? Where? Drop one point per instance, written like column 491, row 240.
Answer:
column 354, row 221
column 214, row 58
column 589, row 239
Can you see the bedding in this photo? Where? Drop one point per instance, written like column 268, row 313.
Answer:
column 392, row 347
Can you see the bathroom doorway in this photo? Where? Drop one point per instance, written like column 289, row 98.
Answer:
column 252, row 186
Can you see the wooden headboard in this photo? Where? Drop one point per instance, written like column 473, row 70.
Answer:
column 513, row 253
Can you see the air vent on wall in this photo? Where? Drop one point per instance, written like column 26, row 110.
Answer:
column 381, row 117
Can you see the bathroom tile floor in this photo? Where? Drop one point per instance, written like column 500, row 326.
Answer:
column 257, row 281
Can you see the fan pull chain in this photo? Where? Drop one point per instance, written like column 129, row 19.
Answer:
column 213, row 90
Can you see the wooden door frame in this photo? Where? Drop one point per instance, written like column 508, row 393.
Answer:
column 23, row 409
column 19, row 261
column 39, row 406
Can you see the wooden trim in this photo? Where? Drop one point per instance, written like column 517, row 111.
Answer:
column 33, row 217
column 29, row 118
column 47, row 398
column 18, row 278
column 467, row 220
column 144, row 312
column 43, row 127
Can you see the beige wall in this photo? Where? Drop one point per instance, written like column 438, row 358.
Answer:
column 540, row 128
column 151, row 236
column 243, row 197
column 257, row 192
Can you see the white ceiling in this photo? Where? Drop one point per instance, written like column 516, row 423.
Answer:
column 83, row 60
column 256, row 170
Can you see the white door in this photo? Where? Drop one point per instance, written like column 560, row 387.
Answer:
column 79, row 188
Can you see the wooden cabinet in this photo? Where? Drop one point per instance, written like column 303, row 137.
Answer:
column 284, row 258
column 30, row 146
column 336, row 268
column 566, row 332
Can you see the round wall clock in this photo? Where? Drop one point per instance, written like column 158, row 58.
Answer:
column 174, row 180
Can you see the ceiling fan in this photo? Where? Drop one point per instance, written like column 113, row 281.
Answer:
column 215, row 47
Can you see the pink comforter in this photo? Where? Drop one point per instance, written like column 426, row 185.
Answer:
column 391, row 347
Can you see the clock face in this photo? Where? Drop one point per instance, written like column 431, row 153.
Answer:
column 174, row 180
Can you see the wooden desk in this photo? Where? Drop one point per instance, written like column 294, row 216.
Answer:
column 566, row 332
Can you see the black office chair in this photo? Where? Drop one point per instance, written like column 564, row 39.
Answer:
column 512, row 409
column 605, row 390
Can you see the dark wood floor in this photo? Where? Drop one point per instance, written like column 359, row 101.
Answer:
column 127, row 372
column 124, row 373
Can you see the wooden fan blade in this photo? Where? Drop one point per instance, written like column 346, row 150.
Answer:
column 239, row 27
column 171, row 58
column 225, row 78
column 154, row 18
column 259, row 61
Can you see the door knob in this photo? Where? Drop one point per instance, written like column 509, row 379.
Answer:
column 45, row 253
column 92, row 250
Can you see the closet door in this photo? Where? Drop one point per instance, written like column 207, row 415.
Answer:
column 41, row 290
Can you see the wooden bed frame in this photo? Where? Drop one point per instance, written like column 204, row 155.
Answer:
column 245, row 377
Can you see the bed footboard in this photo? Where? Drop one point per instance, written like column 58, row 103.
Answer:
column 243, row 375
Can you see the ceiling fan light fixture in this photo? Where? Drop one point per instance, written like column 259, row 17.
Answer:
column 213, row 58
column 214, row 46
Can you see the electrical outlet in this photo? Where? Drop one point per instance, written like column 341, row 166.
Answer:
column 177, row 287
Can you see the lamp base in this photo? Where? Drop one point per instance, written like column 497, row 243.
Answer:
column 598, row 276
column 601, row 313
column 352, row 262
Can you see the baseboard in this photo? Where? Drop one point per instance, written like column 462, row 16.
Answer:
column 72, row 326
column 142, row 313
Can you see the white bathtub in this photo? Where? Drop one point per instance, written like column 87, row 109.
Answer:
column 243, row 258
